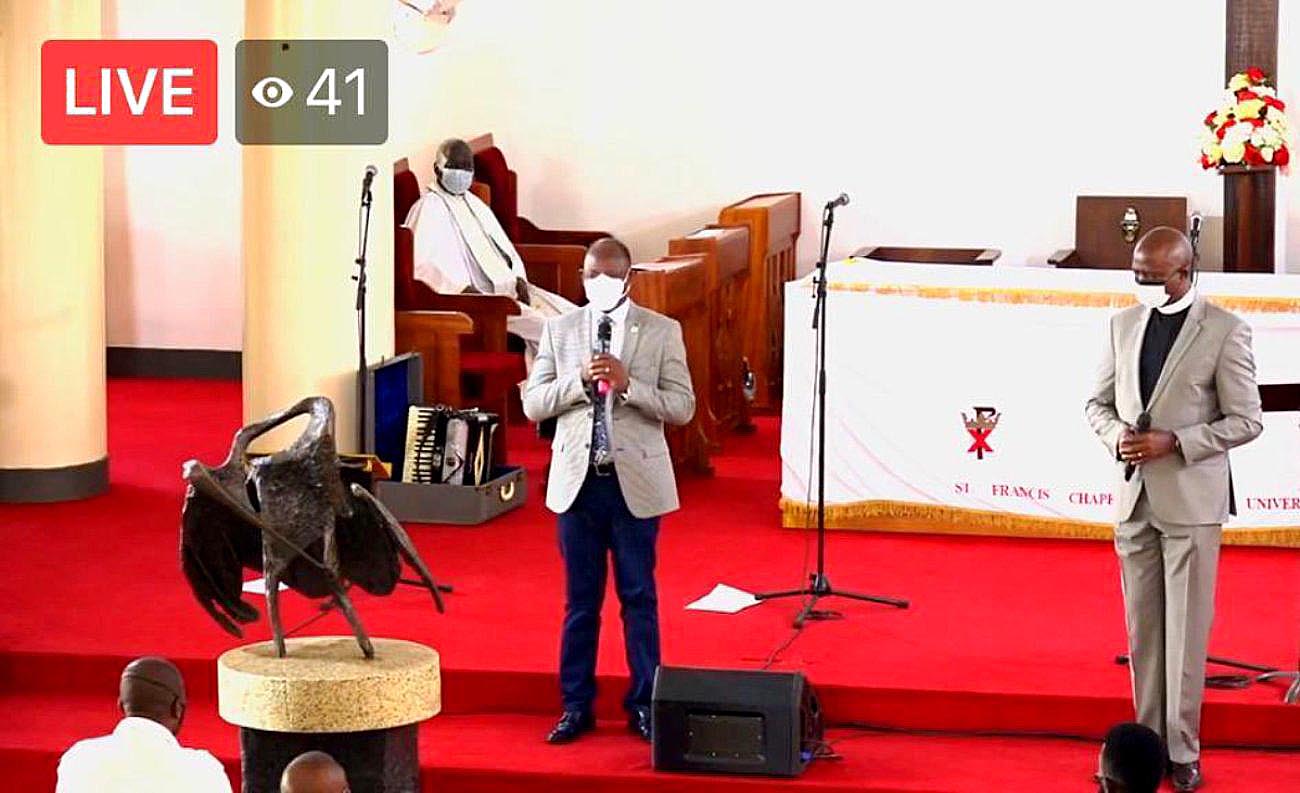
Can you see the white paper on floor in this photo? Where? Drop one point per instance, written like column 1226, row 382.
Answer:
column 724, row 600
column 257, row 586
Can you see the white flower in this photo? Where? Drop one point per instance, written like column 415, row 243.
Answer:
column 1237, row 134
column 1233, row 152
column 1267, row 154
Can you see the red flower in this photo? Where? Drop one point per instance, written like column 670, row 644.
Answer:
column 1221, row 131
column 1245, row 94
column 1205, row 162
column 1257, row 122
column 1275, row 103
column 1255, row 74
column 1209, row 120
column 1282, row 156
column 1253, row 157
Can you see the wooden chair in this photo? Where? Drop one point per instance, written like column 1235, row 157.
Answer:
column 1107, row 228
column 436, row 335
column 490, row 370
column 773, row 221
column 972, row 256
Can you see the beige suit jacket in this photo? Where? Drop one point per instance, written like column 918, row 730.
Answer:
column 1206, row 395
column 659, row 393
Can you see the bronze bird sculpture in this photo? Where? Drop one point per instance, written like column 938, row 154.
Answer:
column 290, row 516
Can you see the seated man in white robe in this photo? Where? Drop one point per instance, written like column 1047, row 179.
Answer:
column 461, row 247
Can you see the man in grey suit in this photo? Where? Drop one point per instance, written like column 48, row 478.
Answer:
column 1176, row 390
column 612, row 374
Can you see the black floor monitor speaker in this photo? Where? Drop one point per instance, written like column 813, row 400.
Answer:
column 734, row 722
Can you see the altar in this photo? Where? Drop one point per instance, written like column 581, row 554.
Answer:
column 955, row 401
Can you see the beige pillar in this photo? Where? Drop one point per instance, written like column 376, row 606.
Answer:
column 53, row 443
column 300, row 239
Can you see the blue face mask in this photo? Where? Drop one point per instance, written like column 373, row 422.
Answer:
column 455, row 180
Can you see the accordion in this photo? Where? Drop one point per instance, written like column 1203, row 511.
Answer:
column 445, row 446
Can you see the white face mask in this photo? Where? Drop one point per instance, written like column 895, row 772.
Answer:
column 604, row 292
column 455, row 180
column 1150, row 295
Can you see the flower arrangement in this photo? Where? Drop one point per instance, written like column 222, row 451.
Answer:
column 1250, row 127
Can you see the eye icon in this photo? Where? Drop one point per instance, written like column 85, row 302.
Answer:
column 272, row 92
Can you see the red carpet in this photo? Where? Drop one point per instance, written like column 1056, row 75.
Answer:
column 1003, row 635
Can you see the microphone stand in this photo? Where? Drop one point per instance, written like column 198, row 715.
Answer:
column 819, row 585
column 363, row 212
column 367, row 197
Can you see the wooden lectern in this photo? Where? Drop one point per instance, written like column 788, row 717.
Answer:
column 726, row 253
column 1107, row 228
column 678, row 287
column 773, row 222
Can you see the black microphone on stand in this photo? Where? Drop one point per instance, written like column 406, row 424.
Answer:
column 1143, row 424
column 841, row 200
column 368, row 179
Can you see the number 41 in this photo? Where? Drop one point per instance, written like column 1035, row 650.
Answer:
column 331, row 102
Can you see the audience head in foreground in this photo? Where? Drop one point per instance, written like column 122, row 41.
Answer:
column 1163, row 266
column 142, row 754
column 1132, row 760
column 314, row 772
column 152, row 688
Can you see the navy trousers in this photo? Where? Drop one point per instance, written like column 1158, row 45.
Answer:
column 598, row 526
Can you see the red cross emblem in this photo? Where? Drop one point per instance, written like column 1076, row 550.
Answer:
column 980, row 428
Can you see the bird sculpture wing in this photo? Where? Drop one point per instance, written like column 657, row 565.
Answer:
column 371, row 543
column 220, row 535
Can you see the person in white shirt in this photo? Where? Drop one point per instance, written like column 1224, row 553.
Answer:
column 461, row 247
column 142, row 754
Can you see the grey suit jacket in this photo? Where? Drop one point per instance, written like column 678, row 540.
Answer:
column 1206, row 395
column 659, row 393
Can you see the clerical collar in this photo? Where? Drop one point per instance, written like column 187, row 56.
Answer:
column 1179, row 305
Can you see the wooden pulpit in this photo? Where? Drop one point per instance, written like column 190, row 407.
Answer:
column 773, row 223
column 678, row 287
column 1107, row 228
column 726, row 253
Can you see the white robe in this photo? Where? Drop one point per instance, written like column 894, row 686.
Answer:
column 461, row 247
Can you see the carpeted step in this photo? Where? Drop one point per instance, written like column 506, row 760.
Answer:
column 475, row 692
column 497, row 753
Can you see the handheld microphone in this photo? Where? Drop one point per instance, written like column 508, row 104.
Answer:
column 1143, row 425
column 368, row 179
column 841, row 200
column 604, row 332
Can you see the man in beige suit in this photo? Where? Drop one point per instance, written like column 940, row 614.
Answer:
column 1181, row 368
column 613, row 374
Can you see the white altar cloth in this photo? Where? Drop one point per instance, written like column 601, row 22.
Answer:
column 915, row 350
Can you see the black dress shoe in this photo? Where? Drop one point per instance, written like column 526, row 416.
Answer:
column 638, row 721
column 1186, row 777
column 571, row 725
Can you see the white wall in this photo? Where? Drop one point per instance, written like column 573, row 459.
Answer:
column 172, row 213
column 948, row 123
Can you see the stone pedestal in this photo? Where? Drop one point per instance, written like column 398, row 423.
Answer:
column 325, row 695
